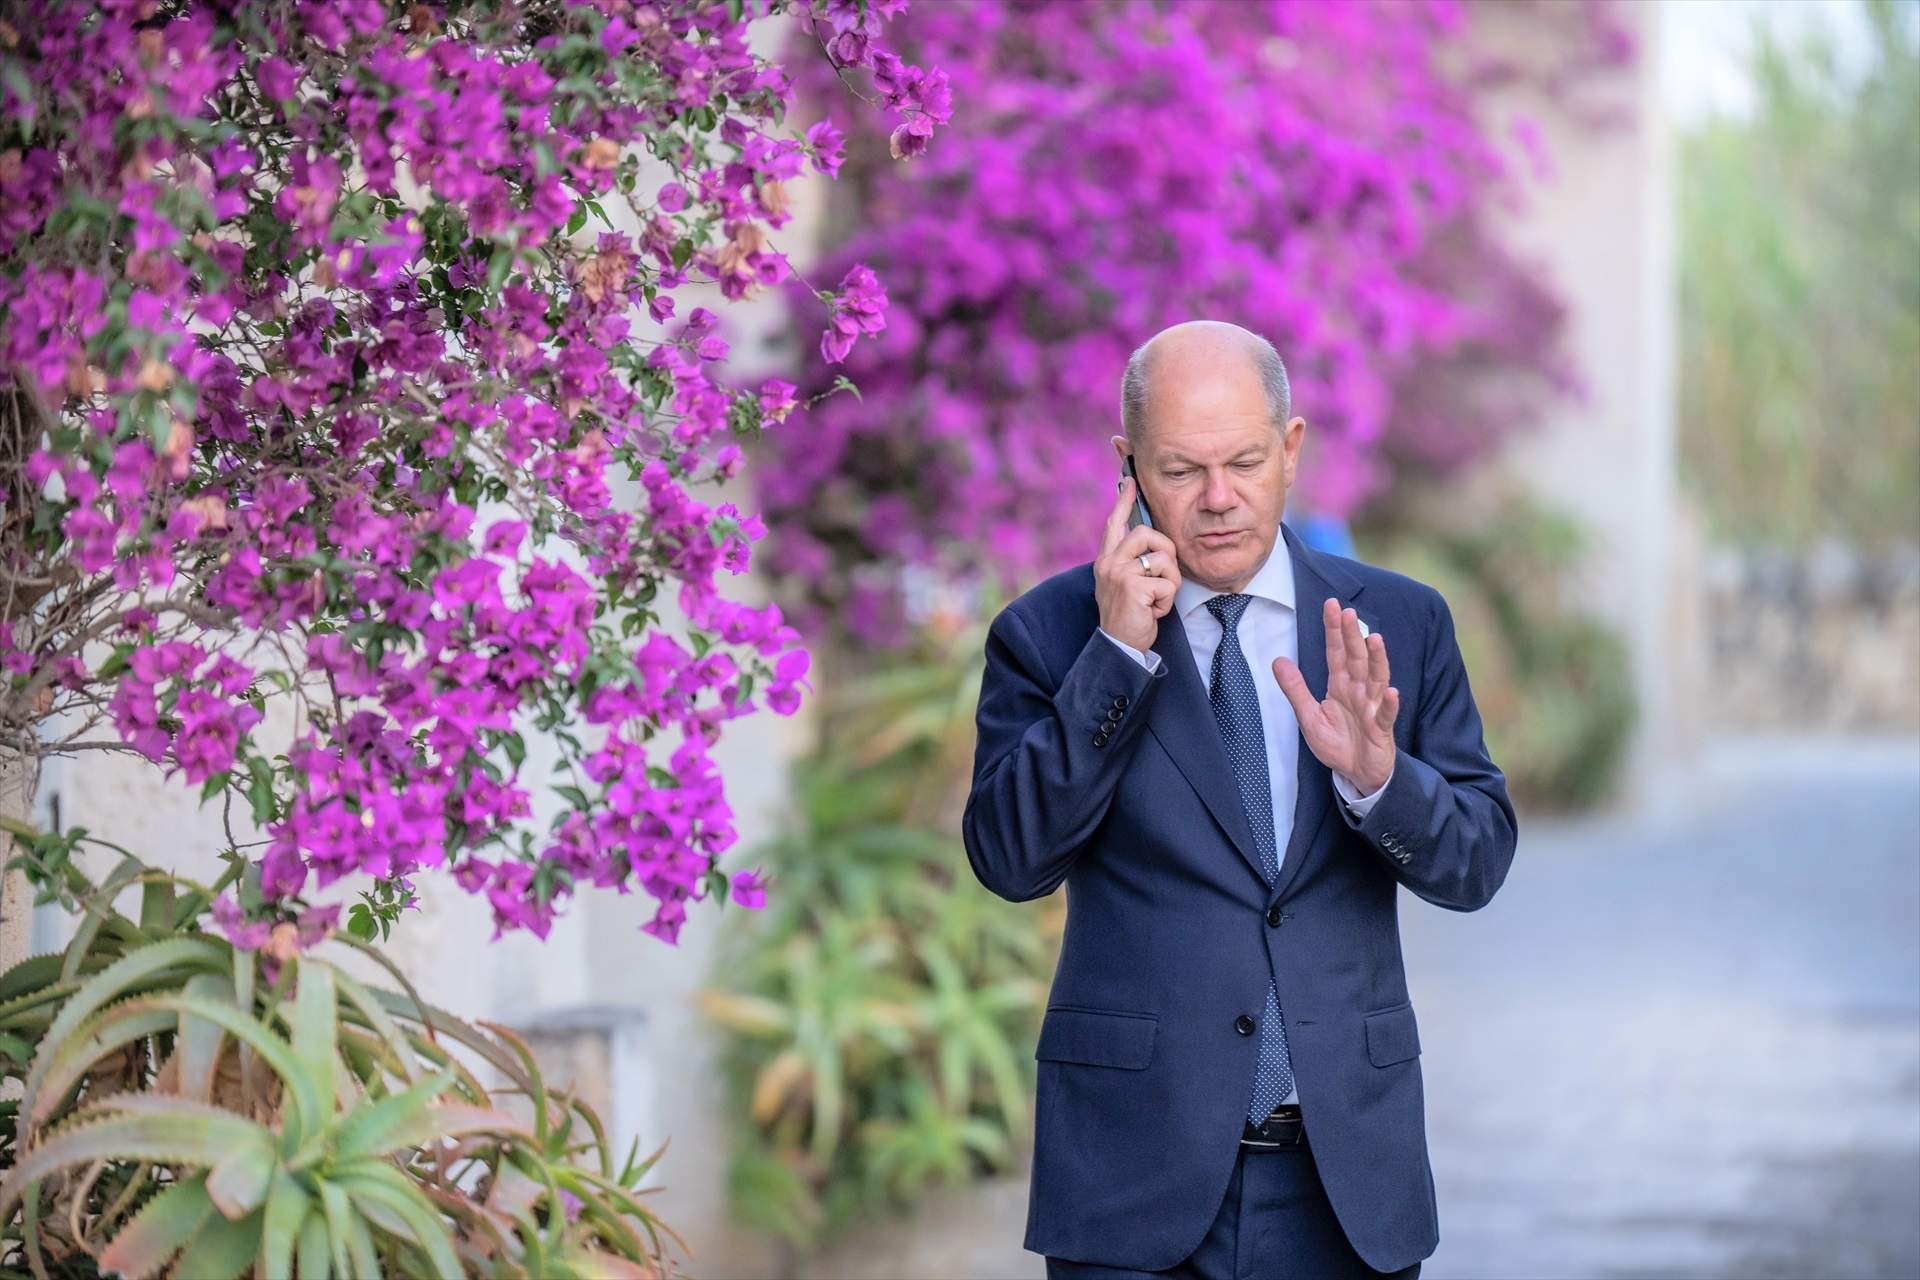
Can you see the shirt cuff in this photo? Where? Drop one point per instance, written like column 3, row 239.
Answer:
column 1148, row 659
column 1349, row 793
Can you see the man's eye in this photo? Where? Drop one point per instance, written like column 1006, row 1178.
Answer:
column 1247, row 466
column 1175, row 475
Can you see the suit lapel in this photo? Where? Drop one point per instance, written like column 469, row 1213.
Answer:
column 1183, row 721
column 1314, row 579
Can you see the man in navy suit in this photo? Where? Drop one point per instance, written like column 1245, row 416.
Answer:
column 1229, row 1071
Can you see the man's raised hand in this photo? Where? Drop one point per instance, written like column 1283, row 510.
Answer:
column 1352, row 731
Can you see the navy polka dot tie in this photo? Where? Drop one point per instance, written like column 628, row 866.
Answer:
column 1237, row 708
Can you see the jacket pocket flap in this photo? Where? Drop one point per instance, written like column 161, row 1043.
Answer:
column 1100, row 1038
column 1392, row 1036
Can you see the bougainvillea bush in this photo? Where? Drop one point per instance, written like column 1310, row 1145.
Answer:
column 322, row 351
column 1328, row 175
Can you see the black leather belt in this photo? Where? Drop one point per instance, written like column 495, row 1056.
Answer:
column 1283, row 1127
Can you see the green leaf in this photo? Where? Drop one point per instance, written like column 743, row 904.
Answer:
column 183, row 1134
column 498, row 268
column 110, row 983
column 314, row 1255
column 341, row 1224
column 363, row 1002
column 222, row 1250
column 156, row 1233
column 384, row 1188
column 287, row 1206
column 316, row 1026
column 310, row 1108
column 239, row 1182
column 196, row 1050
column 360, row 1248
column 98, row 912
column 404, row 1120
column 260, row 796
column 156, row 904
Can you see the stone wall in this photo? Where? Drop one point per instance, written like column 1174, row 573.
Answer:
column 1821, row 641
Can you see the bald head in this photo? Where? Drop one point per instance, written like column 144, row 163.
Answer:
column 1197, row 351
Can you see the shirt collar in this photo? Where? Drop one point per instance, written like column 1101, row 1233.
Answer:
column 1272, row 581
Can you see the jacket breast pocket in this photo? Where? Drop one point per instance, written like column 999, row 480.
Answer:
column 1392, row 1036
column 1097, row 1037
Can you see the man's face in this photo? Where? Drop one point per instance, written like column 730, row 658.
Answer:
column 1214, row 471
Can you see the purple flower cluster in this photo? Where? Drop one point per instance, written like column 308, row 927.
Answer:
column 315, row 363
column 1324, row 174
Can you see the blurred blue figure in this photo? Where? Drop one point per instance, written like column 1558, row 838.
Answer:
column 1324, row 533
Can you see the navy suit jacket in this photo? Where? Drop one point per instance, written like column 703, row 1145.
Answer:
column 1093, row 771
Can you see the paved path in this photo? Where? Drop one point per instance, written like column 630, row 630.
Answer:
column 1680, row 1044
column 1688, row 1043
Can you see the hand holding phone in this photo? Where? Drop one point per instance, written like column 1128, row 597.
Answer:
column 1138, row 570
column 1140, row 516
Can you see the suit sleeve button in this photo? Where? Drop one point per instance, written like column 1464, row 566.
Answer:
column 1120, row 701
column 1243, row 1024
column 1099, row 739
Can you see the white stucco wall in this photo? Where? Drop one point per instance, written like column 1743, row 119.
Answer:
column 1602, row 226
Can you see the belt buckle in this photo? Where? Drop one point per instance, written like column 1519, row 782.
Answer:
column 1283, row 1112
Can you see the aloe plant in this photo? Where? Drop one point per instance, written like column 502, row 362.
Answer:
column 190, row 1109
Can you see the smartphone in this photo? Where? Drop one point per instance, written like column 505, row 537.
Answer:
column 1140, row 516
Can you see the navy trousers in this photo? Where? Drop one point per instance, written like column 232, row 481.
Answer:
column 1274, row 1224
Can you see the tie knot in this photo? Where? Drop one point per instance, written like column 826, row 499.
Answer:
column 1228, row 609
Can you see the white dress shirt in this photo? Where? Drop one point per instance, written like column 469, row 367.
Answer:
column 1267, row 630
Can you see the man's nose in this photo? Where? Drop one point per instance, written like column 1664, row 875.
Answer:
column 1220, row 495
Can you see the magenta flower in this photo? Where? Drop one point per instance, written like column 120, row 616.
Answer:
column 750, row 889
column 375, row 428
column 1325, row 174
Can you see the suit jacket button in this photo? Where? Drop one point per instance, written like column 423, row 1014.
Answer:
column 1243, row 1024
column 1273, row 916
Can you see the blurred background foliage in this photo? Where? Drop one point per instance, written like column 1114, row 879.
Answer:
column 1553, row 684
column 882, row 1008
column 1799, row 230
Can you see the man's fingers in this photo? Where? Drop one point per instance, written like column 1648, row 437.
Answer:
column 1389, row 710
column 1294, row 685
column 1376, row 664
column 1117, row 518
column 1356, row 649
column 1336, row 639
column 1163, row 595
column 1135, row 541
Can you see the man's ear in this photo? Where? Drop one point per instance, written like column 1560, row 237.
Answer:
column 1121, row 447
